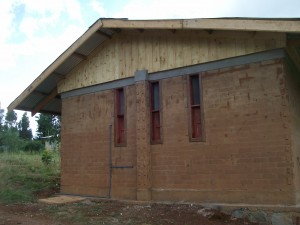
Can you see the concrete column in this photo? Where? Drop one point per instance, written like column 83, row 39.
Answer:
column 143, row 136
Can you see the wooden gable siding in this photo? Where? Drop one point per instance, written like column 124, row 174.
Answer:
column 153, row 50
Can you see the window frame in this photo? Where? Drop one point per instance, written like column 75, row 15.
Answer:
column 192, row 108
column 119, row 117
column 155, row 111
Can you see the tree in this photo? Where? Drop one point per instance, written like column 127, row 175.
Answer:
column 48, row 125
column 11, row 120
column 1, row 119
column 24, row 129
column 1, row 126
column 9, row 136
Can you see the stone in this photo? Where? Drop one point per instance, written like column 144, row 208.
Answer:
column 206, row 212
column 258, row 217
column 240, row 213
column 281, row 218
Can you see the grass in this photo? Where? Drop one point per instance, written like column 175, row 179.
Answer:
column 23, row 176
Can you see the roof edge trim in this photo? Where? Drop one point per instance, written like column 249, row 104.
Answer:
column 269, row 25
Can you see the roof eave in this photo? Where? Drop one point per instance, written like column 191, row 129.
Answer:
column 268, row 25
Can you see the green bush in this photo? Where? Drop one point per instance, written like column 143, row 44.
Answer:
column 47, row 157
column 10, row 141
column 34, row 146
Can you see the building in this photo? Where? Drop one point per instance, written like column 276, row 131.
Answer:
column 201, row 110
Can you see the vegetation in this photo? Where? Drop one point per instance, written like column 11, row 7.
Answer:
column 16, row 135
column 48, row 126
column 24, row 176
column 25, row 171
column 23, row 127
column 47, row 157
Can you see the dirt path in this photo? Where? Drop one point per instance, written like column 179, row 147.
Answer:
column 17, row 214
column 94, row 212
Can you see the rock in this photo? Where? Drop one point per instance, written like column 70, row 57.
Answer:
column 281, row 218
column 258, row 217
column 212, row 214
column 206, row 212
column 212, row 206
column 87, row 202
column 240, row 213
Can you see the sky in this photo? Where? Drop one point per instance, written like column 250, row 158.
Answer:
column 35, row 32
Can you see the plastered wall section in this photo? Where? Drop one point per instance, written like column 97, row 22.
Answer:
column 85, row 167
column 153, row 50
column 246, row 155
column 293, row 93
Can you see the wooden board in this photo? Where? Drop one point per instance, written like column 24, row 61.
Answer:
column 152, row 50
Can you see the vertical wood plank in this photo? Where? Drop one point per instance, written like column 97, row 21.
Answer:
column 112, row 60
column 187, row 50
column 122, row 56
column 230, row 47
column 212, row 49
column 204, row 48
column 178, row 51
column 128, row 64
column 117, row 58
column 240, row 48
column 148, row 53
column 170, row 51
column 134, row 53
column 249, row 46
column 195, row 49
column 163, row 52
column 142, row 52
column 156, row 53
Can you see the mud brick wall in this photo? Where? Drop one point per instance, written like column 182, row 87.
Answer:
column 124, row 179
column 246, row 157
column 85, row 143
column 292, row 83
column 249, row 155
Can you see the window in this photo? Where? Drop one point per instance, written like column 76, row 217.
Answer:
column 196, row 131
column 155, row 112
column 119, row 117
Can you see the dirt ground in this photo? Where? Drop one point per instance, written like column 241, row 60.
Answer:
column 92, row 212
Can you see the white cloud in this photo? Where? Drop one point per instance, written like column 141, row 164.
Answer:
column 97, row 7
column 73, row 9
column 46, row 30
column 29, row 26
column 170, row 9
column 39, row 15
column 6, row 18
column 158, row 9
column 39, row 26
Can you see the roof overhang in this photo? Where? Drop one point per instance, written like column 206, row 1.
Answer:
column 42, row 96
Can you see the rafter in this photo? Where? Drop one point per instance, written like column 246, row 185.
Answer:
column 78, row 55
column 59, row 75
column 104, row 34
column 44, row 102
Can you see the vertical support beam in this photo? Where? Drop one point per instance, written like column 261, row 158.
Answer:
column 143, row 136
